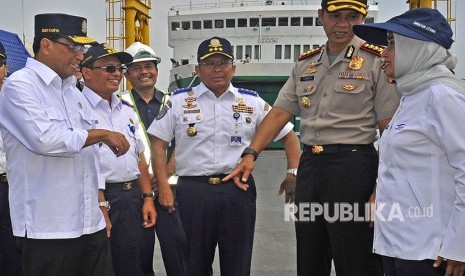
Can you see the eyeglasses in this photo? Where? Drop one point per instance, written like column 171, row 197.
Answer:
column 212, row 64
column 111, row 68
column 2, row 62
column 74, row 48
column 351, row 17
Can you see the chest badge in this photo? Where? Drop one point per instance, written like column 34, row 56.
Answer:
column 305, row 102
column 191, row 131
column 356, row 63
column 349, row 87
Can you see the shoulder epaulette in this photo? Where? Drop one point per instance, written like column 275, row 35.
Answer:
column 377, row 50
column 181, row 90
column 247, row 91
column 126, row 103
column 310, row 53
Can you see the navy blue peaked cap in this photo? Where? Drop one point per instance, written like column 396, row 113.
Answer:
column 421, row 24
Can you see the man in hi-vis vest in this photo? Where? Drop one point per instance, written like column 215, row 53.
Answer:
column 147, row 100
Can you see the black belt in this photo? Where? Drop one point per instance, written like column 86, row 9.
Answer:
column 211, row 179
column 124, row 186
column 335, row 148
column 3, row 178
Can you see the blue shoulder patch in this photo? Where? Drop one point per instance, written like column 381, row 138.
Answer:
column 126, row 103
column 247, row 91
column 182, row 90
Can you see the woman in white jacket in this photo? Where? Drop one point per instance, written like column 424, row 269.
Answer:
column 420, row 197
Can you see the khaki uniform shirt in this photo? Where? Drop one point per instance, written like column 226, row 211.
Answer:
column 339, row 103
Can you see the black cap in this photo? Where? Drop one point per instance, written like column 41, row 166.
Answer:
column 2, row 51
column 422, row 24
column 336, row 5
column 103, row 50
column 214, row 45
column 73, row 28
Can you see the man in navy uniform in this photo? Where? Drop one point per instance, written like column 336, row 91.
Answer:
column 343, row 98
column 148, row 100
column 51, row 144
column 128, row 197
column 213, row 123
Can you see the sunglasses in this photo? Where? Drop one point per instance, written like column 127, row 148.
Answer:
column 111, row 68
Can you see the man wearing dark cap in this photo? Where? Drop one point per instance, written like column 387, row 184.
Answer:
column 10, row 263
column 127, row 180
column 342, row 97
column 212, row 123
column 51, row 143
column 422, row 152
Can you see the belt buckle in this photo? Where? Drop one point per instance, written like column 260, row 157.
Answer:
column 317, row 149
column 214, row 180
column 127, row 186
column 4, row 178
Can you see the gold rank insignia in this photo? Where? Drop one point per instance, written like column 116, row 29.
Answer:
column 305, row 102
column 309, row 88
column 356, row 63
column 189, row 105
column 349, row 87
column 190, row 93
column 191, row 131
column 248, row 120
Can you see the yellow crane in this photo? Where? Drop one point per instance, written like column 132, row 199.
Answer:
column 413, row 4
column 127, row 22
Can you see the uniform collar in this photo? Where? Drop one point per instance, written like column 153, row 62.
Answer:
column 158, row 96
column 95, row 99
column 201, row 89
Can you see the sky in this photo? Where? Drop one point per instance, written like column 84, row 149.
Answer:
column 17, row 16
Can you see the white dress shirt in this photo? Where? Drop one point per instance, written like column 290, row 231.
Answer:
column 2, row 157
column 53, row 179
column 420, row 196
column 120, row 118
column 220, row 138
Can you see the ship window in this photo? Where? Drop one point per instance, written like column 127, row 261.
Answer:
column 175, row 26
column 239, row 52
column 254, row 22
column 370, row 20
column 186, row 25
column 287, row 51
column 248, row 50
column 283, row 21
column 230, row 23
column 242, row 22
column 196, row 25
column 315, row 46
column 256, row 52
column 207, row 24
column 278, row 51
column 219, row 23
column 306, row 47
column 295, row 21
column 307, row 21
column 269, row 21
column 296, row 52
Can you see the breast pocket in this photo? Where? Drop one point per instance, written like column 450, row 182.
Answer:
column 189, row 125
column 87, row 120
column 307, row 97
column 349, row 97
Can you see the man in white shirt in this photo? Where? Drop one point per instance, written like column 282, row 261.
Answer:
column 52, row 150
column 127, row 179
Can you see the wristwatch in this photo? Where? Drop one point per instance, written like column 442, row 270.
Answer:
column 150, row 194
column 251, row 151
column 292, row 171
column 105, row 204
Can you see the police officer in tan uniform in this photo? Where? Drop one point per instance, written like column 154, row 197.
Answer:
column 342, row 97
